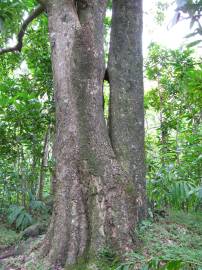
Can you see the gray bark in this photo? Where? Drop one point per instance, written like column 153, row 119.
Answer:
column 94, row 203
column 126, row 118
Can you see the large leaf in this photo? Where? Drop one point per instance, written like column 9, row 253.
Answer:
column 19, row 220
column 14, row 213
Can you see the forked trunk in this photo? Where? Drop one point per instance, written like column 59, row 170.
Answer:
column 94, row 203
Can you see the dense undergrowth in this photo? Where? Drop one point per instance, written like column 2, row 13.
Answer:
column 7, row 236
column 172, row 242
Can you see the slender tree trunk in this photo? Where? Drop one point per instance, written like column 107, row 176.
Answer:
column 163, row 128
column 44, row 164
column 126, row 97
column 22, row 176
column 94, row 203
column 177, row 146
column 33, row 169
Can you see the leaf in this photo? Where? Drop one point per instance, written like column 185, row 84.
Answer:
column 175, row 20
column 120, row 267
column 27, row 220
column 194, row 43
column 37, row 205
column 191, row 35
column 173, row 265
column 154, row 263
column 193, row 20
column 19, row 220
column 125, row 266
column 1, row 24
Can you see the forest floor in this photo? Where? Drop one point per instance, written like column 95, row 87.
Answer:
column 177, row 238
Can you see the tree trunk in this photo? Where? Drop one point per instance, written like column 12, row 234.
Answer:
column 126, row 118
column 44, row 164
column 94, row 203
column 163, row 129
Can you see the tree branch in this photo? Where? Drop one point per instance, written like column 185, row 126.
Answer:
column 18, row 47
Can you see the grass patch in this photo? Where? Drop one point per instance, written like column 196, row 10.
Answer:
column 177, row 240
column 192, row 221
column 8, row 237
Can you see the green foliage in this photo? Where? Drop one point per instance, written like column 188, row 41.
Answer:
column 157, row 263
column 126, row 266
column 7, row 236
column 20, row 217
column 11, row 13
column 174, row 131
column 161, row 7
column 26, row 107
column 171, row 243
column 36, row 205
column 107, row 259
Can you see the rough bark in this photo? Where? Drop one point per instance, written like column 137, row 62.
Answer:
column 126, row 115
column 94, row 203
